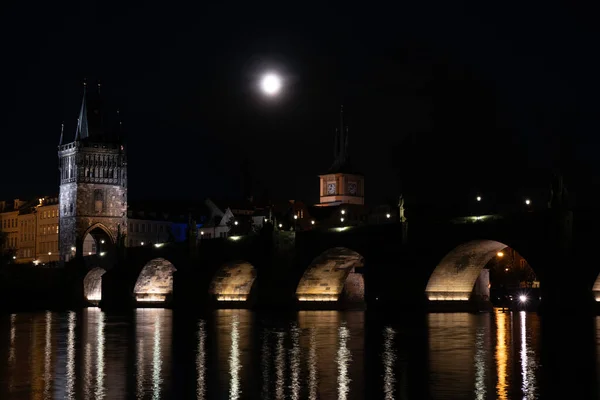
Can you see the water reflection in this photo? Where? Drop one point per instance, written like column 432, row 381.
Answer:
column 153, row 337
column 503, row 337
column 295, row 362
column 316, row 355
column 389, row 358
column 234, row 360
column 312, row 366
column 200, row 361
column 343, row 359
column 70, row 387
column 48, row 356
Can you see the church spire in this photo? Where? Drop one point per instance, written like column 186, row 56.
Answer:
column 82, row 122
column 62, row 129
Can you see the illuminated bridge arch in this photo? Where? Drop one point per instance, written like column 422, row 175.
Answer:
column 332, row 276
column 155, row 281
column 92, row 285
column 233, row 281
column 596, row 289
column 456, row 275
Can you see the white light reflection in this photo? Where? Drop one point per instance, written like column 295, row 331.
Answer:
column 234, row 360
column 279, row 367
column 140, row 369
column 389, row 359
column 100, row 355
column 480, row 364
column 156, row 359
column 527, row 364
column 312, row 366
column 343, row 359
column 295, row 362
column 70, row 387
column 201, row 368
column 265, row 364
column 13, row 335
column 87, row 370
column 48, row 356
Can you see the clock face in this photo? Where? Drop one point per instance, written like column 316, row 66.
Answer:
column 331, row 188
column 352, row 188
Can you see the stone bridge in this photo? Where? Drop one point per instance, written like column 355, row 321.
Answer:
column 429, row 262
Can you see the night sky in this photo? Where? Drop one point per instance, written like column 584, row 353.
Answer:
column 443, row 98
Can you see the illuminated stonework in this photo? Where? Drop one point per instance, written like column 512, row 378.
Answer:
column 454, row 277
column 233, row 282
column 327, row 277
column 92, row 285
column 155, row 282
column 596, row 289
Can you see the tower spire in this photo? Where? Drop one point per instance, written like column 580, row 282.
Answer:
column 82, row 122
column 62, row 129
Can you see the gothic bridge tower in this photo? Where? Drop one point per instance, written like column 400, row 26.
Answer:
column 93, row 182
column 342, row 184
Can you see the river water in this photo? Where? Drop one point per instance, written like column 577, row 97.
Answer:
column 239, row 354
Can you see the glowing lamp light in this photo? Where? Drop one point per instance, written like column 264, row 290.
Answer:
column 49, row 253
column 270, row 84
column 201, row 233
column 523, row 298
column 102, row 254
column 500, row 254
column 235, row 238
column 73, row 249
column 280, row 225
column 343, row 212
column 506, row 269
column 266, row 220
column 312, row 222
column 89, row 253
column 102, row 241
column 387, row 216
column 142, row 243
column 342, row 219
column 159, row 245
column 528, row 202
column 478, row 198
column 14, row 257
column 235, row 222
column 295, row 217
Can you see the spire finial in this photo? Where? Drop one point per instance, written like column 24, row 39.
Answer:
column 84, row 83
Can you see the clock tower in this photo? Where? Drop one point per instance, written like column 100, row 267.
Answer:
column 342, row 184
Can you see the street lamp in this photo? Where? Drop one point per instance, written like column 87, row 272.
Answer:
column 102, row 241
column 312, row 222
column 343, row 212
column 295, row 217
column 342, row 219
column 280, row 225
column 527, row 201
column 235, row 222
column 387, row 216
column 478, row 198
column 270, row 84
column 500, row 254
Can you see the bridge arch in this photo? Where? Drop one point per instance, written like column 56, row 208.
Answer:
column 155, row 282
column 333, row 276
column 459, row 275
column 233, row 282
column 97, row 239
column 92, row 285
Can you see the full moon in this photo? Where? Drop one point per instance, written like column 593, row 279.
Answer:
column 271, row 84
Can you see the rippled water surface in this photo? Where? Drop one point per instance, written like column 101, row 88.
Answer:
column 237, row 354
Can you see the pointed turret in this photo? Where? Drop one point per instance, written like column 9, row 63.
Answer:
column 341, row 161
column 62, row 129
column 82, row 131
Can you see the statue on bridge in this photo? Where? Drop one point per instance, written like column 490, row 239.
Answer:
column 558, row 193
column 401, row 209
